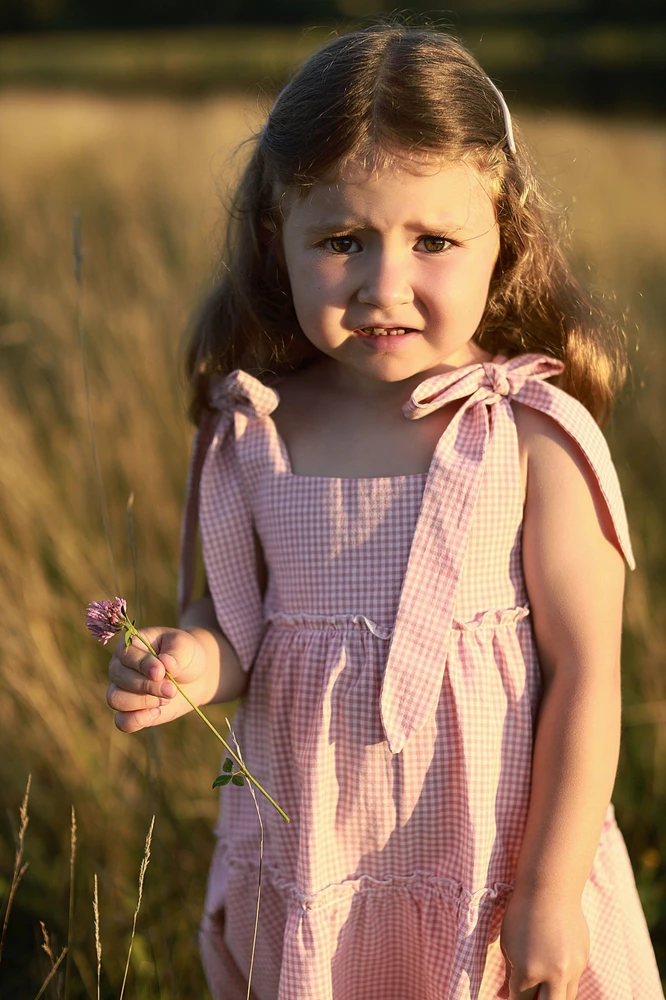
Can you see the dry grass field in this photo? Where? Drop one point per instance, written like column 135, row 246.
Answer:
column 146, row 176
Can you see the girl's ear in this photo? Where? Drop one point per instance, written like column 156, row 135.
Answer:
column 270, row 237
column 267, row 228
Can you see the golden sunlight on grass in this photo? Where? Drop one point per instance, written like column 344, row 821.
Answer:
column 145, row 176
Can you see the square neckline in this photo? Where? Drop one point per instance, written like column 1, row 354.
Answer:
column 422, row 476
column 416, row 476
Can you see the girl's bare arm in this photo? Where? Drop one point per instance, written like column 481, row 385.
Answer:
column 575, row 581
column 225, row 679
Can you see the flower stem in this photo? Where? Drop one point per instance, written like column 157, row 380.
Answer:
column 134, row 631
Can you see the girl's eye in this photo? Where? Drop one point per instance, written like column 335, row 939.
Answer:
column 435, row 244
column 341, row 244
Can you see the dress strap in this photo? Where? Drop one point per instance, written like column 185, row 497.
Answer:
column 190, row 521
column 417, row 656
column 238, row 392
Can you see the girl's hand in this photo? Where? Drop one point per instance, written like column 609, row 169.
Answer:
column 138, row 690
column 546, row 943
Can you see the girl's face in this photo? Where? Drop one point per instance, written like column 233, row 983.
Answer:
column 390, row 268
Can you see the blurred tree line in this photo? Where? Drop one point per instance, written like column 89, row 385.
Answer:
column 41, row 15
column 604, row 56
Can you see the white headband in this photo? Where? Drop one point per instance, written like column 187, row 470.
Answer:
column 506, row 115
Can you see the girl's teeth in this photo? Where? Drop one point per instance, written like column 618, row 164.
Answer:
column 380, row 331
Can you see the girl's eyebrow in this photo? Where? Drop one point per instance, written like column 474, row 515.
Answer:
column 330, row 226
column 346, row 225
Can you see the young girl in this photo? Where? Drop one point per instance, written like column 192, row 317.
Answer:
column 413, row 537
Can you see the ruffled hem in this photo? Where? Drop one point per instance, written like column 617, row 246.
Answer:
column 394, row 939
column 416, row 937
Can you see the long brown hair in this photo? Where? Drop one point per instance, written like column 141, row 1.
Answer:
column 385, row 92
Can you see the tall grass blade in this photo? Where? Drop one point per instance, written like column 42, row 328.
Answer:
column 54, row 968
column 98, row 939
column 55, row 962
column 70, row 909
column 261, row 865
column 46, row 943
column 142, row 874
column 131, row 541
column 77, row 248
column 19, row 869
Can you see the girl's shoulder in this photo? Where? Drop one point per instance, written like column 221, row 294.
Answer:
column 264, row 391
column 553, row 415
column 564, row 457
column 547, row 450
column 534, row 424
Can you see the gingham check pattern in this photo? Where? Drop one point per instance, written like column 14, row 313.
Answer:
column 391, row 707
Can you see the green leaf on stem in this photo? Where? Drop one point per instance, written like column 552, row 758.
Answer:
column 238, row 779
column 222, row 779
column 228, row 764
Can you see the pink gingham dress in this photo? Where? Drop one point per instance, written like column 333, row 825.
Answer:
column 391, row 706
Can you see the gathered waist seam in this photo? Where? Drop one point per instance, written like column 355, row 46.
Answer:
column 304, row 621
column 419, row 881
column 307, row 621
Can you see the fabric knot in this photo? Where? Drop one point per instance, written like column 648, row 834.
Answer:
column 499, row 383
column 243, row 392
column 482, row 382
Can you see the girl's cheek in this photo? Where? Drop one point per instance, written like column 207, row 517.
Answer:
column 332, row 291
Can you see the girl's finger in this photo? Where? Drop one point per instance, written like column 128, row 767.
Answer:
column 138, row 658
column 132, row 722
column 131, row 680
column 125, row 701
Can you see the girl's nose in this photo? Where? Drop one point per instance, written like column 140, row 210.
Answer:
column 385, row 282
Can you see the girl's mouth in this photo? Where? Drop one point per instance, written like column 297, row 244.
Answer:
column 385, row 338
